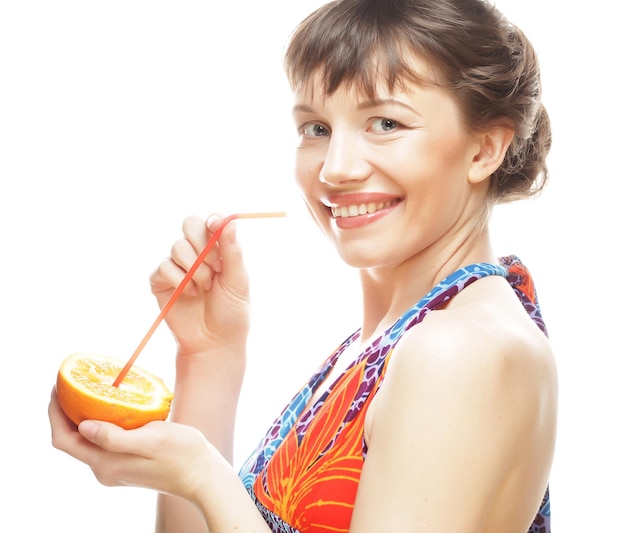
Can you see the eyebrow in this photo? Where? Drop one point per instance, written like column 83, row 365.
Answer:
column 302, row 109
column 368, row 104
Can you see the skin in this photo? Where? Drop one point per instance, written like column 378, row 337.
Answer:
column 469, row 446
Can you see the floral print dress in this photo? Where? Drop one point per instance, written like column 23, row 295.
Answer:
column 304, row 475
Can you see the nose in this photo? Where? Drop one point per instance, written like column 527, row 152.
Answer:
column 345, row 160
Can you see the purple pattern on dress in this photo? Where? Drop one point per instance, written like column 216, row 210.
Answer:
column 375, row 355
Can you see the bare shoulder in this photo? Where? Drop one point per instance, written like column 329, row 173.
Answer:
column 485, row 331
column 483, row 348
column 466, row 413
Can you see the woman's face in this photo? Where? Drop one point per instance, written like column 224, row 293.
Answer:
column 386, row 179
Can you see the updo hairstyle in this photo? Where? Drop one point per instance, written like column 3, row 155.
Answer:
column 486, row 63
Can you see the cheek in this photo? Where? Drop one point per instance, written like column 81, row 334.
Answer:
column 306, row 181
column 454, row 147
column 307, row 171
column 446, row 161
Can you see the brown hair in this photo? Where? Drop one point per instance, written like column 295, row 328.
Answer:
column 487, row 64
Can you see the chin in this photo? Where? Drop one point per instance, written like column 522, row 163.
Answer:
column 361, row 259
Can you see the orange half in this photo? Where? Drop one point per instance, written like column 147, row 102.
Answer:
column 85, row 391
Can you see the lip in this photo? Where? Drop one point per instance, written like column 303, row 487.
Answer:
column 341, row 200
column 354, row 210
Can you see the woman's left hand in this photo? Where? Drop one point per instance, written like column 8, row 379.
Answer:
column 167, row 457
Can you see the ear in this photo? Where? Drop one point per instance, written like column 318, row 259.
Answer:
column 493, row 145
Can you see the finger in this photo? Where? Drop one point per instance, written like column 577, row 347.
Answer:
column 168, row 276
column 214, row 258
column 63, row 430
column 143, row 456
column 89, row 444
column 104, row 434
column 233, row 273
column 199, row 233
column 65, row 436
column 138, row 442
column 185, row 255
column 114, row 456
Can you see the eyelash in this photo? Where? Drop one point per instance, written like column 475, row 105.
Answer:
column 395, row 124
column 302, row 130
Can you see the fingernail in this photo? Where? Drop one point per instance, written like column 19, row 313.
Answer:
column 212, row 220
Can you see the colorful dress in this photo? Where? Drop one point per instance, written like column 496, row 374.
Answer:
column 304, row 475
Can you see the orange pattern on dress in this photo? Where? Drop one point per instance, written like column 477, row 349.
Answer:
column 313, row 484
column 303, row 476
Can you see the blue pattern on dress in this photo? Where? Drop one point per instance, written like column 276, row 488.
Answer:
column 436, row 297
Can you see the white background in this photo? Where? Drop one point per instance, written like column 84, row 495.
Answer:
column 119, row 118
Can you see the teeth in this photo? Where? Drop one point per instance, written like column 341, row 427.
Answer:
column 347, row 211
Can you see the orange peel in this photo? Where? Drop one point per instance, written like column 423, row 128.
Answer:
column 85, row 391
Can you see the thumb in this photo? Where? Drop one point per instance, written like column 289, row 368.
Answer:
column 233, row 272
column 100, row 433
column 89, row 429
column 109, row 436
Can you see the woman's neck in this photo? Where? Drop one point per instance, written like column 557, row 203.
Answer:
column 390, row 291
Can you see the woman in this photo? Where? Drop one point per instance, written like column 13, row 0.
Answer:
column 438, row 414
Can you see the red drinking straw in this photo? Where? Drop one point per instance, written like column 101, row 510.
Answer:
column 177, row 292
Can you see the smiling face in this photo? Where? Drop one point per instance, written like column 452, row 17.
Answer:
column 390, row 178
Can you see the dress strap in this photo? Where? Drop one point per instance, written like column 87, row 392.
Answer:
column 443, row 292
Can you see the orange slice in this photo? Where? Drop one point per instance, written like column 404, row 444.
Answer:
column 85, row 391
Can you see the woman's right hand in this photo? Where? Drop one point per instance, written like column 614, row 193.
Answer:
column 213, row 310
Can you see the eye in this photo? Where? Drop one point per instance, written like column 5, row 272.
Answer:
column 384, row 124
column 314, row 129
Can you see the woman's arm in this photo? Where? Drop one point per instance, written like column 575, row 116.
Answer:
column 187, row 459
column 461, row 433
column 206, row 395
column 210, row 324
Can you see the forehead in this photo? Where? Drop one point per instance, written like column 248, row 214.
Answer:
column 376, row 80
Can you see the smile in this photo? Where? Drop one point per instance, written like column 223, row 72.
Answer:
column 349, row 211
